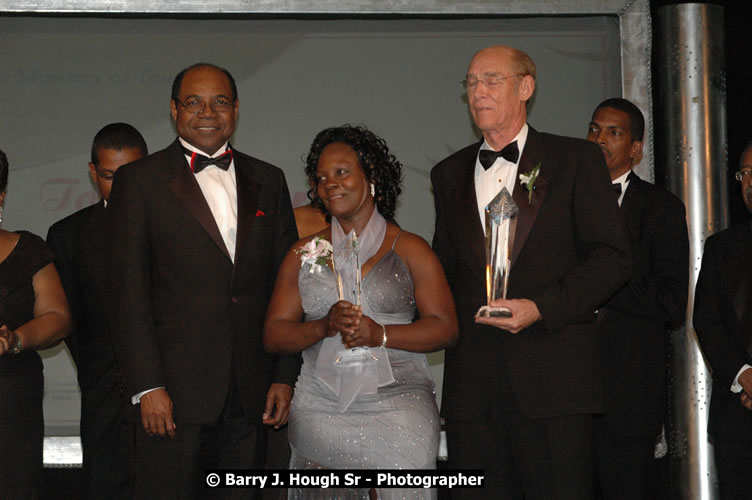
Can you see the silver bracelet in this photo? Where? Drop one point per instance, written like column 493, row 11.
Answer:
column 383, row 339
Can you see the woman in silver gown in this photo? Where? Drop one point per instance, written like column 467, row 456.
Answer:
column 362, row 300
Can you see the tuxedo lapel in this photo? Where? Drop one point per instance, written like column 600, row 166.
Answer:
column 531, row 158
column 740, row 285
column 95, row 270
column 248, row 196
column 632, row 194
column 95, row 224
column 94, row 233
column 631, row 208
column 465, row 200
column 185, row 187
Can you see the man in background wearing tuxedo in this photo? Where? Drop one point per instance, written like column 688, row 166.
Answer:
column 633, row 325
column 78, row 243
column 198, row 232
column 723, row 321
column 519, row 392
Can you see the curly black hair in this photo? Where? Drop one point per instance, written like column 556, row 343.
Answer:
column 380, row 167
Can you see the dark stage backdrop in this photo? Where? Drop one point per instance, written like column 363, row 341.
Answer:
column 64, row 78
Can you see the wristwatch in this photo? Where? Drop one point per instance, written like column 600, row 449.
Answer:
column 17, row 346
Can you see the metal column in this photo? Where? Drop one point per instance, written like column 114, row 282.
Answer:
column 691, row 78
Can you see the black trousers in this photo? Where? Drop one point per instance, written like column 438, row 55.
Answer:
column 625, row 465
column 534, row 458
column 167, row 468
column 733, row 459
column 105, row 440
column 277, row 457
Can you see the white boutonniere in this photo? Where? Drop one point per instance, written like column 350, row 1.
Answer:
column 528, row 181
column 317, row 253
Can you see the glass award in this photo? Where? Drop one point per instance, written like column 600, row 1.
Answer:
column 362, row 354
column 501, row 224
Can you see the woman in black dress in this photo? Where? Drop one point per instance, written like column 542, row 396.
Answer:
column 33, row 315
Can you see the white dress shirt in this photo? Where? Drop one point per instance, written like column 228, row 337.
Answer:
column 502, row 174
column 221, row 193
column 624, row 183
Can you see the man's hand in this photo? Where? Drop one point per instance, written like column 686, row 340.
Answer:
column 745, row 400
column 745, row 380
column 524, row 314
column 277, row 409
column 156, row 413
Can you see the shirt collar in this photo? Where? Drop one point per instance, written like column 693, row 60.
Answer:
column 521, row 139
column 623, row 180
column 189, row 147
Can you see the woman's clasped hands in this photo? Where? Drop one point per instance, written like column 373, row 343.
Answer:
column 356, row 329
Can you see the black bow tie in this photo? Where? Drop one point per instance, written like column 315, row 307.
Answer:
column 200, row 162
column 509, row 153
column 616, row 186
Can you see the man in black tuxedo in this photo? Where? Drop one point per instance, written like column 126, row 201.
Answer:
column 198, row 231
column 78, row 243
column 723, row 321
column 519, row 392
column 633, row 325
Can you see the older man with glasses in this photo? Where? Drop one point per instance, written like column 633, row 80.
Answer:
column 520, row 391
column 198, row 231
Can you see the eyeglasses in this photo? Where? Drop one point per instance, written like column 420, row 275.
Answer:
column 105, row 175
column 742, row 173
column 489, row 81
column 218, row 104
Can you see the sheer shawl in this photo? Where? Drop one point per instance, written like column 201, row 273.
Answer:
column 360, row 370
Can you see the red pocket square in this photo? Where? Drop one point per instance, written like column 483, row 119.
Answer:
column 260, row 213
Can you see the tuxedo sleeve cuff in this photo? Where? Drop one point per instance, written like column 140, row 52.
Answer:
column 136, row 399
column 287, row 369
column 736, row 387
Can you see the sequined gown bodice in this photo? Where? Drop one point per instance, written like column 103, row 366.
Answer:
column 396, row 428
column 387, row 293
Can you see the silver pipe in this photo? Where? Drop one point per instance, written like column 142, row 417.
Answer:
column 691, row 76
column 527, row 7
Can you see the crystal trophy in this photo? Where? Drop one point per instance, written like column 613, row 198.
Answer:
column 354, row 355
column 501, row 224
